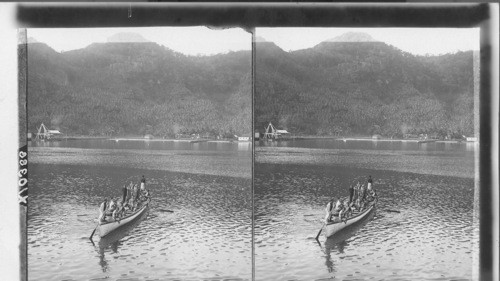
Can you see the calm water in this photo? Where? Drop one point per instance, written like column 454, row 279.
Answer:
column 433, row 236
column 206, row 185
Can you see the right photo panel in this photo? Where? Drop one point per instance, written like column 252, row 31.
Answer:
column 366, row 148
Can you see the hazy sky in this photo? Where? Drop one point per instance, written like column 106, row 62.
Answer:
column 186, row 40
column 204, row 41
column 419, row 41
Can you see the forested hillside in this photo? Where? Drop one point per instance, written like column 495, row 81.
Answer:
column 113, row 89
column 364, row 88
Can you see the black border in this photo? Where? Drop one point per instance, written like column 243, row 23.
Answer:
column 252, row 15
column 249, row 16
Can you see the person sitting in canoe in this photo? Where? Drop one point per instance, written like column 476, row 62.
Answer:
column 144, row 195
column 333, row 212
column 106, row 209
column 118, row 212
column 371, row 195
column 112, row 207
column 329, row 209
column 102, row 210
column 346, row 211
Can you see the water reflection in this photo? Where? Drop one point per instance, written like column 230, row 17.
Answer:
column 421, row 219
column 245, row 146
column 339, row 241
column 207, row 236
column 472, row 146
column 121, row 232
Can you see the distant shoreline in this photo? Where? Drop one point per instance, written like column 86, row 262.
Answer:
column 367, row 138
column 138, row 138
column 292, row 138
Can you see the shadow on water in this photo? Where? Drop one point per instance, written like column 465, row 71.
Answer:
column 113, row 240
column 339, row 241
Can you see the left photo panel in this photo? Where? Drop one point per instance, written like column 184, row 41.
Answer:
column 140, row 153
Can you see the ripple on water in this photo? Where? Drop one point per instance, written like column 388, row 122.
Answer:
column 211, row 216
column 432, row 228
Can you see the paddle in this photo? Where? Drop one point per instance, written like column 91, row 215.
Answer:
column 317, row 236
column 166, row 211
column 94, row 231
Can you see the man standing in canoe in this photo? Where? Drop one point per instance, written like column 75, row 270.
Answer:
column 356, row 190
column 127, row 204
column 351, row 192
column 370, row 183
column 361, row 196
column 144, row 194
column 135, row 196
column 143, row 183
column 370, row 190
column 125, row 195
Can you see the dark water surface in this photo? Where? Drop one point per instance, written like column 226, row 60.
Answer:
column 206, row 237
column 424, row 227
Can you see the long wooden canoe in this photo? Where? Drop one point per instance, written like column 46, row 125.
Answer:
column 333, row 227
column 105, row 228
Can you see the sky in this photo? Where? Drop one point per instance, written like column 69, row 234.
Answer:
column 418, row 41
column 186, row 40
column 204, row 41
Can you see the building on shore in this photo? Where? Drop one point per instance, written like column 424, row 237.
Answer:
column 472, row 139
column 243, row 138
column 273, row 134
column 45, row 134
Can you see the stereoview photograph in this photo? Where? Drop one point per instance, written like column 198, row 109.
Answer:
column 140, row 154
column 366, row 163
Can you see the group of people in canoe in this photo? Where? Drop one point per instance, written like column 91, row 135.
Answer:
column 134, row 195
column 360, row 194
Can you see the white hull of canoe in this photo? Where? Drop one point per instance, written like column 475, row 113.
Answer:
column 332, row 228
column 106, row 228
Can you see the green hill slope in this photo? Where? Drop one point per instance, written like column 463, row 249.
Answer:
column 111, row 89
column 363, row 88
